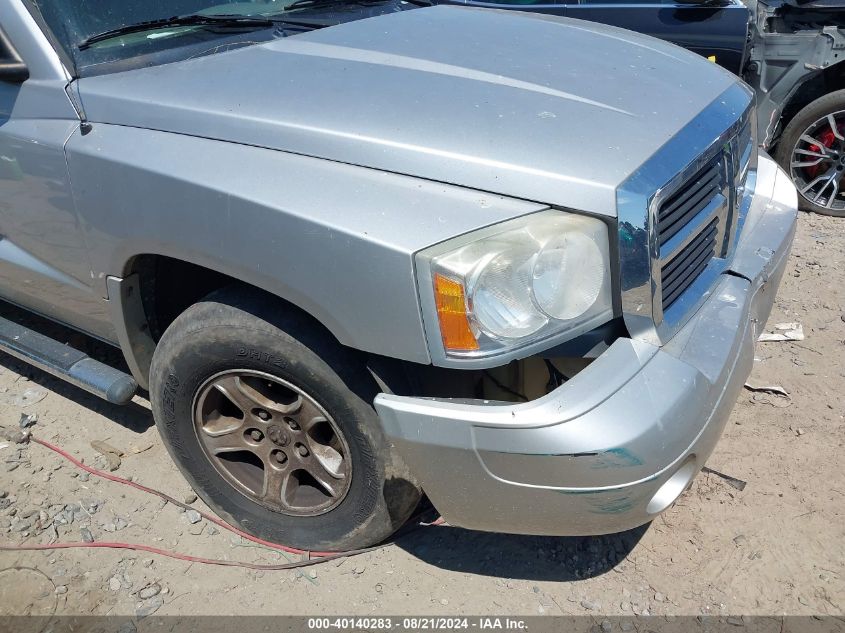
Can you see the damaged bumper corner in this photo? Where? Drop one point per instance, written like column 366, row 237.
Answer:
column 617, row 444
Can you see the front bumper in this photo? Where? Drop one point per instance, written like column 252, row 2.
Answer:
column 617, row 444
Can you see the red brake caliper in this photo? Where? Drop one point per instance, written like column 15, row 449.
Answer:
column 827, row 137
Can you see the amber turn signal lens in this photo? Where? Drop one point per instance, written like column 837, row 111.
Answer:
column 451, row 312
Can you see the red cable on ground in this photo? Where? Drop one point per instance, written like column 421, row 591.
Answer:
column 184, row 506
column 178, row 556
column 318, row 557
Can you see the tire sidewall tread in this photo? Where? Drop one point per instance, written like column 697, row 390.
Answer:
column 232, row 329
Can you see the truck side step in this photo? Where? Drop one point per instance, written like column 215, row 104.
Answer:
column 66, row 362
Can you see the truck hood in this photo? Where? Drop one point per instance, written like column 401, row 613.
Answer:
column 547, row 109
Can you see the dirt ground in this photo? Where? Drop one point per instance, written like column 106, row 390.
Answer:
column 776, row 547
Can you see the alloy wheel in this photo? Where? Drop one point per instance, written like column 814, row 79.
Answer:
column 272, row 442
column 817, row 162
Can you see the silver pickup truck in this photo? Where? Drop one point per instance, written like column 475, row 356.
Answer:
column 514, row 262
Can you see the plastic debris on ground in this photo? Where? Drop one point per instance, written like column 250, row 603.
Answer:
column 791, row 331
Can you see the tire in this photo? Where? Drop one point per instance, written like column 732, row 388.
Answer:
column 806, row 121
column 277, row 350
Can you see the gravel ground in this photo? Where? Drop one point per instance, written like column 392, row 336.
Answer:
column 776, row 547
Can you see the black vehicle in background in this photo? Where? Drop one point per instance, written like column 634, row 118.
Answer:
column 716, row 31
column 790, row 51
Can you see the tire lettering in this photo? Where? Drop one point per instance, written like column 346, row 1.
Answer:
column 168, row 397
column 264, row 357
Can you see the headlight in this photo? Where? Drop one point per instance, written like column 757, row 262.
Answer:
column 517, row 284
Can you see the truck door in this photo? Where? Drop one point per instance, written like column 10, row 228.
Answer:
column 717, row 31
column 43, row 260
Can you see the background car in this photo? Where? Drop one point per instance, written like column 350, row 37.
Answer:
column 790, row 51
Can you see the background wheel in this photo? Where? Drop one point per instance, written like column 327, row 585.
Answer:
column 271, row 422
column 812, row 151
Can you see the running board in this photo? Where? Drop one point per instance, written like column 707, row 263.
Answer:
column 66, row 363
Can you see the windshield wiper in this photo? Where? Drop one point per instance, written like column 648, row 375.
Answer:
column 302, row 4
column 225, row 21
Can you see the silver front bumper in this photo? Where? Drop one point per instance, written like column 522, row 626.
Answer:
column 617, row 444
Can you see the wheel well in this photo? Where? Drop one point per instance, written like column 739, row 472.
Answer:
column 169, row 286
column 828, row 80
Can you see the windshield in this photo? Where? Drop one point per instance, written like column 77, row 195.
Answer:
column 73, row 22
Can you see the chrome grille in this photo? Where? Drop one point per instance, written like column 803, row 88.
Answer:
column 685, row 267
column 693, row 226
column 690, row 200
column 681, row 213
column 744, row 150
column 695, row 223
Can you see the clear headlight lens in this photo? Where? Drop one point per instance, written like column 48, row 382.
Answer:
column 572, row 256
column 501, row 296
column 520, row 282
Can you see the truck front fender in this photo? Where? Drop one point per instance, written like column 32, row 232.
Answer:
column 333, row 239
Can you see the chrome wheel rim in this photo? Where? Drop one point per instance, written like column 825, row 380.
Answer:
column 272, row 442
column 817, row 162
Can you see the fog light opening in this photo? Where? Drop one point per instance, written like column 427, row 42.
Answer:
column 674, row 486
